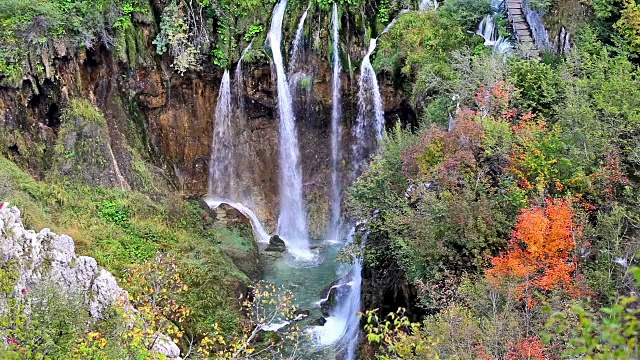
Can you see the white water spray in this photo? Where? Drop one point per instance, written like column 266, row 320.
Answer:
column 292, row 223
column 487, row 29
column 295, row 53
column 426, row 5
column 336, row 131
column 259, row 231
column 369, row 128
column 222, row 171
column 343, row 324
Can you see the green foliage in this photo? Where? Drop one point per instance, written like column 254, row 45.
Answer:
column 30, row 26
column 418, row 48
column 611, row 333
column 253, row 31
column 121, row 228
column 541, row 5
column 465, row 13
column 539, row 85
column 174, row 37
column 601, row 110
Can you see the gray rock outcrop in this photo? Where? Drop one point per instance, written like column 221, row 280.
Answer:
column 48, row 257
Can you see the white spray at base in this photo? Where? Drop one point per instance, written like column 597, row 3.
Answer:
column 342, row 326
column 292, row 222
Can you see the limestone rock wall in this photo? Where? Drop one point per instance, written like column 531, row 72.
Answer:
column 48, row 258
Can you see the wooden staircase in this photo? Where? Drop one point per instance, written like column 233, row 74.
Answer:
column 520, row 25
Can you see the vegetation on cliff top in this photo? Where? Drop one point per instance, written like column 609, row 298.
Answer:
column 513, row 218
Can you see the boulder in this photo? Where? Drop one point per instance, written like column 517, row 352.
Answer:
column 300, row 314
column 320, row 321
column 276, row 244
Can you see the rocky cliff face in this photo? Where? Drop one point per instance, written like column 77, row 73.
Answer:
column 48, row 258
column 157, row 117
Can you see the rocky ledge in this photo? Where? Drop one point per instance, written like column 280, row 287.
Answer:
column 46, row 257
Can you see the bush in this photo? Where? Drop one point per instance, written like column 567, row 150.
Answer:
column 468, row 14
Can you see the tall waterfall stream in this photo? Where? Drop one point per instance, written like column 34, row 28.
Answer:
column 309, row 268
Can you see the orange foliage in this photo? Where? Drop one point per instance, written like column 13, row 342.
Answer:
column 540, row 252
column 530, row 348
column 495, row 100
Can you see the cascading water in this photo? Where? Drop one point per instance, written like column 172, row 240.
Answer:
column 370, row 120
column 426, row 5
column 261, row 233
column 239, row 80
column 343, row 324
column 295, row 53
column 538, row 30
column 222, row 172
column 487, row 29
column 292, row 222
column 336, row 132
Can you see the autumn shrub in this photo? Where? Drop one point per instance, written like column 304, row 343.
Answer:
column 541, row 254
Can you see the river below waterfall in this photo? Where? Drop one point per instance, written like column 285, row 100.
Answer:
column 309, row 283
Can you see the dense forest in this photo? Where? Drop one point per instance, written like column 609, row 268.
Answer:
column 496, row 219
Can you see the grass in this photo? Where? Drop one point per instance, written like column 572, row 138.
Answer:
column 120, row 228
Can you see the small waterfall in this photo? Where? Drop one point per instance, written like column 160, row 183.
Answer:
column 260, row 232
column 239, row 80
column 369, row 128
column 487, row 29
column 292, row 223
column 336, row 132
column 224, row 175
column 295, row 53
column 426, row 5
column 538, row 31
column 222, row 171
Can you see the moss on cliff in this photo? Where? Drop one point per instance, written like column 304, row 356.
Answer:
column 120, row 228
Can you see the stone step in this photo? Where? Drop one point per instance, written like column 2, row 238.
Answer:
column 521, row 27
column 515, row 12
column 525, row 38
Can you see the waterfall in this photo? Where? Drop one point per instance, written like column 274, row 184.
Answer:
column 336, row 132
column 295, row 53
column 260, row 232
column 538, row 31
column 239, row 80
column 343, row 324
column 426, row 5
column 487, row 29
column 369, row 127
column 292, row 223
column 222, row 171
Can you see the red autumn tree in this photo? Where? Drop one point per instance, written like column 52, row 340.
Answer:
column 540, row 254
column 530, row 348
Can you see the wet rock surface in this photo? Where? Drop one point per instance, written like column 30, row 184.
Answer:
column 276, row 244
